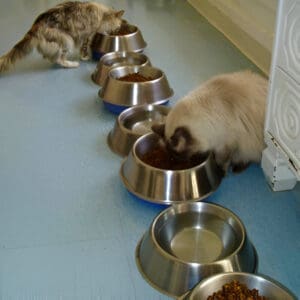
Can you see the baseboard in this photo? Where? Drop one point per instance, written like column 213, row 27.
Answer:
column 252, row 44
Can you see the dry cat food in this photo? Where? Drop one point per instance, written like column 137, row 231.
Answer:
column 236, row 291
column 160, row 158
column 135, row 77
column 123, row 30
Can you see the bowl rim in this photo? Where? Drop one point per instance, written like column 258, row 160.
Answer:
column 207, row 158
column 136, row 30
column 136, row 69
column 211, row 205
column 260, row 276
column 139, row 108
column 161, row 200
column 186, row 293
column 120, row 54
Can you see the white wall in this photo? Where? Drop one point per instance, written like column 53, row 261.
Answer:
column 248, row 24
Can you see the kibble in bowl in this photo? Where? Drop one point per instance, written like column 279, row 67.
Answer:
column 239, row 285
column 117, row 59
column 129, row 38
column 128, row 86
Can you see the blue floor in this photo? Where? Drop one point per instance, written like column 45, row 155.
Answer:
column 68, row 228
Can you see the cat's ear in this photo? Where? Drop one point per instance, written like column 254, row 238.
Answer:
column 119, row 13
column 159, row 129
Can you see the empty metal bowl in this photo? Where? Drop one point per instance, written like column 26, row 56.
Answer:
column 130, row 42
column 266, row 287
column 118, row 95
column 167, row 186
column 115, row 59
column 188, row 242
column 132, row 123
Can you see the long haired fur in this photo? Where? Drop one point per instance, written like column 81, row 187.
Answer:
column 224, row 115
column 56, row 32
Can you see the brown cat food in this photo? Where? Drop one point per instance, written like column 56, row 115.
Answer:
column 123, row 31
column 160, row 158
column 135, row 77
column 236, row 291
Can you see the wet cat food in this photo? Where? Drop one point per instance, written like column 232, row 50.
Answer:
column 135, row 77
column 160, row 158
column 237, row 291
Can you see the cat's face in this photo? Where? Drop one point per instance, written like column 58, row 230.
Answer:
column 111, row 22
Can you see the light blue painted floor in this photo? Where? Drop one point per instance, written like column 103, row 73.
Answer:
column 68, row 228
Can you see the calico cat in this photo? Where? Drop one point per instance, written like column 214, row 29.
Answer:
column 58, row 31
column 224, row 115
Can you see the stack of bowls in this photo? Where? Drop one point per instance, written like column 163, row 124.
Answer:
column 120, row 56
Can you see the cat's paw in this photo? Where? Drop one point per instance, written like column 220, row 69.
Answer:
column 68, row 63
column 85, row 57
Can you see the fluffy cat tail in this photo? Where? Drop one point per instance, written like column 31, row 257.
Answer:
column 20, row 50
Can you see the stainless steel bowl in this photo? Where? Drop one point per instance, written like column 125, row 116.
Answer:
column 118, row 95
column 266, row 286
column 115, row 59
column 167, row 186
column 131, row 42
column 191, row 241
column 132, row 123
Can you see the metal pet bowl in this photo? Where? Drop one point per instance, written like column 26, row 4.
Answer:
column 133, row 41
column 191, row 241
column 118, row 95
column 266, row 287
column 132, row 123
column 164, row 186
column 115, row 59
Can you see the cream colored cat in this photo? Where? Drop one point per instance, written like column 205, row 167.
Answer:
column 58, row 31
column 224, row 115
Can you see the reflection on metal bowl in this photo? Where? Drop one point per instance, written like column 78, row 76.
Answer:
column 188, row 242
column 266, row 287
column 131, row 42
column 118, row 95
column 167, row 186
column 116, row 59
column 132, row 123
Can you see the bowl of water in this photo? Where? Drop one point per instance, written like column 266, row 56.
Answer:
column 189, row 242
column 132, row 123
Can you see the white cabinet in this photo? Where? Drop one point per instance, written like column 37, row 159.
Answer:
column 281, row 158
